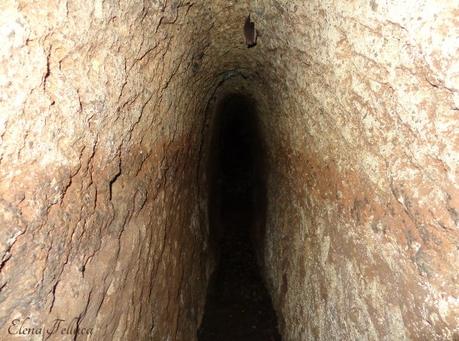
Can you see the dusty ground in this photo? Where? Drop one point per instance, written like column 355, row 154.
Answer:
column 238, row 306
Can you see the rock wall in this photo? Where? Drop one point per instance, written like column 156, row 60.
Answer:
column 362, row 236
column 105, row 115
column 103, row 212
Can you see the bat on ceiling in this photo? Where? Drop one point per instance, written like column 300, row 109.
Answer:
column 250, row 32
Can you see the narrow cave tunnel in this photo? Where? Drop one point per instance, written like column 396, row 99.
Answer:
column 238, row 305
column 160, row 180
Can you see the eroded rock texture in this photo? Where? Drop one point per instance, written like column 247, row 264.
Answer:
column 105, row 114
column 102, row 127
column 362, row 238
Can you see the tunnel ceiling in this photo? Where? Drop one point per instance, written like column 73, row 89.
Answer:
column 105, row 125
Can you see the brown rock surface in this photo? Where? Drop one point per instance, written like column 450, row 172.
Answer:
column 104, row 141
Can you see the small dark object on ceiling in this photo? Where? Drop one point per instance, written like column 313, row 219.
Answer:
column 250, row 32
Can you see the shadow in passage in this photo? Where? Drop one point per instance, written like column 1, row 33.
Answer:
column 238, row 305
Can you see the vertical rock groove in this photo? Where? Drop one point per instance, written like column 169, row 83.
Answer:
column 107, row 111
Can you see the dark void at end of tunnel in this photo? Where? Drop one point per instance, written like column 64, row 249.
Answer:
column 238, row 305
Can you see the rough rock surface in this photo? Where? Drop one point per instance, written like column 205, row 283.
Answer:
column 104, row 115
column 362, row 236
column 102, row 127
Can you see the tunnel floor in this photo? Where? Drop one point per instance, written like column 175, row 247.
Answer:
column 238, row 305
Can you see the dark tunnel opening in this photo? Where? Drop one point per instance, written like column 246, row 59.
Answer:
column 238, row 305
